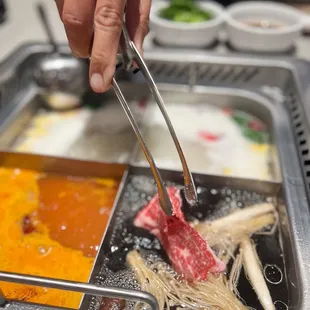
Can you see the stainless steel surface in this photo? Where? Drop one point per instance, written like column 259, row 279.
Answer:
column 82, row 288
column 270, row 189
column 132, row 54
column 62, row 78
column 283, row 83
column 44, row 20
column 3, row 301
column 128, row 52
column 164, row 199
column 64, row 166
column 189, row 185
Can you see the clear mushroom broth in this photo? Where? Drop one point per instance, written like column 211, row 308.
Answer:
column 213, row 203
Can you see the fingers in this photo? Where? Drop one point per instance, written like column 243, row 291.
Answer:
column 108, row 22
column 77, row 17
column 137, row 20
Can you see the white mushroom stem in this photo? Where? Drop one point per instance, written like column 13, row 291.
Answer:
column 239, row 216
column 254, row 273
column 230, row 229
column 235, row 274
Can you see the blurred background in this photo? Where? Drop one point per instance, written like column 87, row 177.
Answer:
column 20, row 24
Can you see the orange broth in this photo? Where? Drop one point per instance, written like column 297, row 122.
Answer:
column 51, row 226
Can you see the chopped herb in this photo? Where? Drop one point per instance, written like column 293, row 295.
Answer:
column 185, row 11
column 252, row 128
column 255, row 136
column 241, row 119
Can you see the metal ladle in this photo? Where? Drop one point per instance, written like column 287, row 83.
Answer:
column 63, row 79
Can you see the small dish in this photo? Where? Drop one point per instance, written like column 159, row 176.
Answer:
column 195, row 34
column 263, row 26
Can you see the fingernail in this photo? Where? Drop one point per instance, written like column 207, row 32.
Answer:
column 96, row 82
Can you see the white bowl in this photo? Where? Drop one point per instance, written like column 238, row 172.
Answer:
column 198, row 35
column 248, row 38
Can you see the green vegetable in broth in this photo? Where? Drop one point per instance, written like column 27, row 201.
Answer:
column 185, row 11
column 251, row 128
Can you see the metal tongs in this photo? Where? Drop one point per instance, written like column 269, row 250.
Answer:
column 127, row 58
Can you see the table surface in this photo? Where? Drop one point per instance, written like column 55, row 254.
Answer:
column 23, row 26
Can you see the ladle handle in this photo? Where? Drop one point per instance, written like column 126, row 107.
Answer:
column 47, row 27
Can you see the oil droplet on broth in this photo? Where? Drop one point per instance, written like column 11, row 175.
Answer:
column 114, row 248
column 43, row 250
column 273, row 274
column 280, row 305
column 104, row 210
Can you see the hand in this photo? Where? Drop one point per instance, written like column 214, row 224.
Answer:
column 101, row 20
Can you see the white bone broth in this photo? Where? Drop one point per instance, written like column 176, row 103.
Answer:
column 215, row 140
column 102, row 134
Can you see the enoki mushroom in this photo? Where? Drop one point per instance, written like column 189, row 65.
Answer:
column 241, row 215
column 226, row 235
column 236, row 225
column 159, row 280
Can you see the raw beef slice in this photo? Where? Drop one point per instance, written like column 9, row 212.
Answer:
column 188, row 252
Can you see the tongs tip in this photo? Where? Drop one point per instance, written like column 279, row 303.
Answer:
column 166, row 206
column 190, row 194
